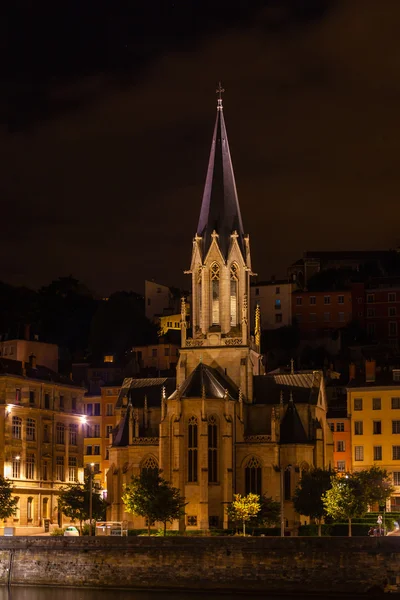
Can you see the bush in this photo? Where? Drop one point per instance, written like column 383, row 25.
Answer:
column 86, row 529
column 57, row 532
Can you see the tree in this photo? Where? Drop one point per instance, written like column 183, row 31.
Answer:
column 8, row 504
column 243, row 508
column 74, row 502
column 150, row 496
column 345, row 499
column 376, row 484
column 269, row 514
column 308, row 495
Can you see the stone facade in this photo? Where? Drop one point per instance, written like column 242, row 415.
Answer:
column 41, row 439
column 325, row 567
column 227, row 428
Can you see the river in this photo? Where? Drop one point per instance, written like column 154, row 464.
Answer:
column 41, row 593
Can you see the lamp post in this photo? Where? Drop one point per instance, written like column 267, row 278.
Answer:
column 90, row 497
column 282, row 481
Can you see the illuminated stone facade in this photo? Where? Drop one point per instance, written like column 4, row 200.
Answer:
column 41, row 440
column 227, row 427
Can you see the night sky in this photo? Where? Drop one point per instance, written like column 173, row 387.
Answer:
column 108, row 120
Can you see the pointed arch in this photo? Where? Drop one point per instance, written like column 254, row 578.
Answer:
column 212, row 434
column 253, row 476
column 234, row 294
column 149, row 464
column 215, row 293
column 199, row 278
column 192, row 450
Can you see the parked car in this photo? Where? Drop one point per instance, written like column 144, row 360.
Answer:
column 71, row 532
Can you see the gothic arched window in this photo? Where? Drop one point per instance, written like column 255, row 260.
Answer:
column 192, row 450
column 149, row 465
column 233, row 295
column 199, row 303
column 214, row 294
column 253, row 476
column 212, row 450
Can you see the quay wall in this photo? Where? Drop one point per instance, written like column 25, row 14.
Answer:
column 275, row 565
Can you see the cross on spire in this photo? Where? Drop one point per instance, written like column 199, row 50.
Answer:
column 220, row 90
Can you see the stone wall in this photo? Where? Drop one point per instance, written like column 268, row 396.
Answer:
column 279, row 565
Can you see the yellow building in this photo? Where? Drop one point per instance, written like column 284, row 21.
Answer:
column 226, row 428
column 99, row 420
column 157, row 357
column 169, row 323
column 373, row 404
column 41, row 439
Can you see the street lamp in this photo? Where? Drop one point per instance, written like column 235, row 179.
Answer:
column 90, row 497
column 282, row 474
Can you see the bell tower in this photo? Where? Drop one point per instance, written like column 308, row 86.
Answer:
column 220, row 270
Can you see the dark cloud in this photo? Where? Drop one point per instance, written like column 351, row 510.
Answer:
column 108, row 186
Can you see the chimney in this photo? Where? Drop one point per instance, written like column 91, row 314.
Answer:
column 370, row 370
column 32, row 361
column 352, row 371
column 27, row 332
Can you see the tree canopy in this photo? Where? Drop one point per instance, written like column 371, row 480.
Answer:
column 345, row 500
column 149, row 495
column 308, row 495
column 74, row 502
column 8, row 504
column 243, row 508
column 376, row 484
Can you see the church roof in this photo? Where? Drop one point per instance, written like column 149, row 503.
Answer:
column 292, row 430
column 205, row 379
column 121, row 437
column 151, row 387
column 220, row 209
column 303, row 386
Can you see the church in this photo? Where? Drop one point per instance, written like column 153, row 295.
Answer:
column 223, row 426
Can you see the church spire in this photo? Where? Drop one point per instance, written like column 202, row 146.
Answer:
column 220, row 211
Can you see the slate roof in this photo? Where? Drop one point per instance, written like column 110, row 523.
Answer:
column 121, row 437
column 137, row 389
column 292, row 430
column 304, row 387
column 40, row 372
column 208, row 379
column 220, row 209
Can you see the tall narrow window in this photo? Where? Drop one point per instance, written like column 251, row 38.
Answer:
column 72, row 468
column 199, row 299
column 192, row 450
column 234, row 295
column 60, row 433
column 16, row 467
column 45, row 509
column 16, row 428
column 60, row 468
column 30, row 466
column 73, row 434
column 253, row 476
column 30, row 430
column 29, row 509
column 212, row 450
column 215, row 294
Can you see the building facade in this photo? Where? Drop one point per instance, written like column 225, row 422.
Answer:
column 41, row 439
column 225, row 427
column 275, row 301
column 373, row 405
column 319, row 312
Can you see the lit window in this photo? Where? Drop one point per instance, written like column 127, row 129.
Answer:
column 341, row 446
column 60, row 468
column 16, row 467
column 16, row 428
column 277, row 304
column 377, row 452
column 358, row 428
column 72, row 469
column 214, row 294
column 359, row 453
column 234, row 277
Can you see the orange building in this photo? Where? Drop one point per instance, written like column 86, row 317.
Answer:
column 340, row 426
column 318, row 312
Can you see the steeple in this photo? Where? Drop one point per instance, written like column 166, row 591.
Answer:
column 220, row 211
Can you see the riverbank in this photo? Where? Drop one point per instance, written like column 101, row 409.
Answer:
column 269, row 565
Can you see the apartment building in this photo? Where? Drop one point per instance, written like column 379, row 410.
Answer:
column 41, row 440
